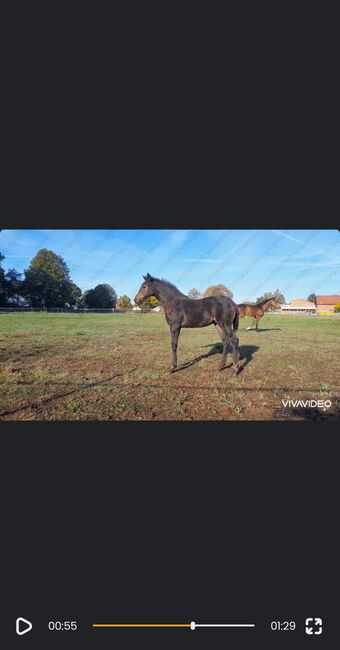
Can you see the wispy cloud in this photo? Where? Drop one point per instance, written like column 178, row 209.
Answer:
column 299, row 241
column 300, row 265
column 206, row 260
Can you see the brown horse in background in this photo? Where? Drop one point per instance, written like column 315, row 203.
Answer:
column 256, row 311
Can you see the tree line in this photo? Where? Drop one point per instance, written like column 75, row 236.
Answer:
column 218, row 289
column 47, row 284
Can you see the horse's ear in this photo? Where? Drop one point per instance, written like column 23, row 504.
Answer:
column 147, row 277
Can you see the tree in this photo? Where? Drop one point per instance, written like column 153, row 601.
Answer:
column 2, row 283
column 150, row 303
column 145, row 305
column 75, row 297
column 124, row 302
column 153, row 302
column 10, row 286
column 103, row 296
column 14, row 287
column 312, row 298
column 279, row 297
column 47, row 281
column 337, row 309
column 194, row 294
column 88, row 299
column 217, row 290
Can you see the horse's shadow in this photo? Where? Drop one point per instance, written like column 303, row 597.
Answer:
column 262, row 329
column 314, row 414
column 247, row 352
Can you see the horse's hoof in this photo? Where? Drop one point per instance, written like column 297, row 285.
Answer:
column 172, row 369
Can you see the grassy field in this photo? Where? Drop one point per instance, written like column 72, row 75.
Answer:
column 116, row 367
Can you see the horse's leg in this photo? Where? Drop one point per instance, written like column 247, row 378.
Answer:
column 233, row 340
column 236, row 351
column 225, row 339
column 174, row 342
column 252, row 324
column 257, row 321
column 220, row 330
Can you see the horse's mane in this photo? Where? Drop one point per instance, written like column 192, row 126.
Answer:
column 167, row 284
column 263, row 302
column 256, row 304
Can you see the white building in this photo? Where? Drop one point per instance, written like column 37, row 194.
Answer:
column 300, row 305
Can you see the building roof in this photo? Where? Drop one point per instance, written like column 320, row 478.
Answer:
column 299, row 302
column 328, row 300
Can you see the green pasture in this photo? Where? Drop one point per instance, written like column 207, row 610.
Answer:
column 116, row 366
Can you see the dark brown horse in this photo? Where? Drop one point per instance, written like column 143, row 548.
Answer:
column 181, row 311
column 256, row 311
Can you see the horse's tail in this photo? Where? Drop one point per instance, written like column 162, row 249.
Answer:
column 236, row 320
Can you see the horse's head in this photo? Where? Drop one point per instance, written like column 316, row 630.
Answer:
column 273, row 302
column 146, row 289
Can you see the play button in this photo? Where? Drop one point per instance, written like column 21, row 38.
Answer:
column 22, row 625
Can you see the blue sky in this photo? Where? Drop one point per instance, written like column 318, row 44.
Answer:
column 249, row 262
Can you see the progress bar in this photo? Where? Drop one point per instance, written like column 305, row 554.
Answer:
column 194, row 625
column 191, row 626
column 141, row 625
